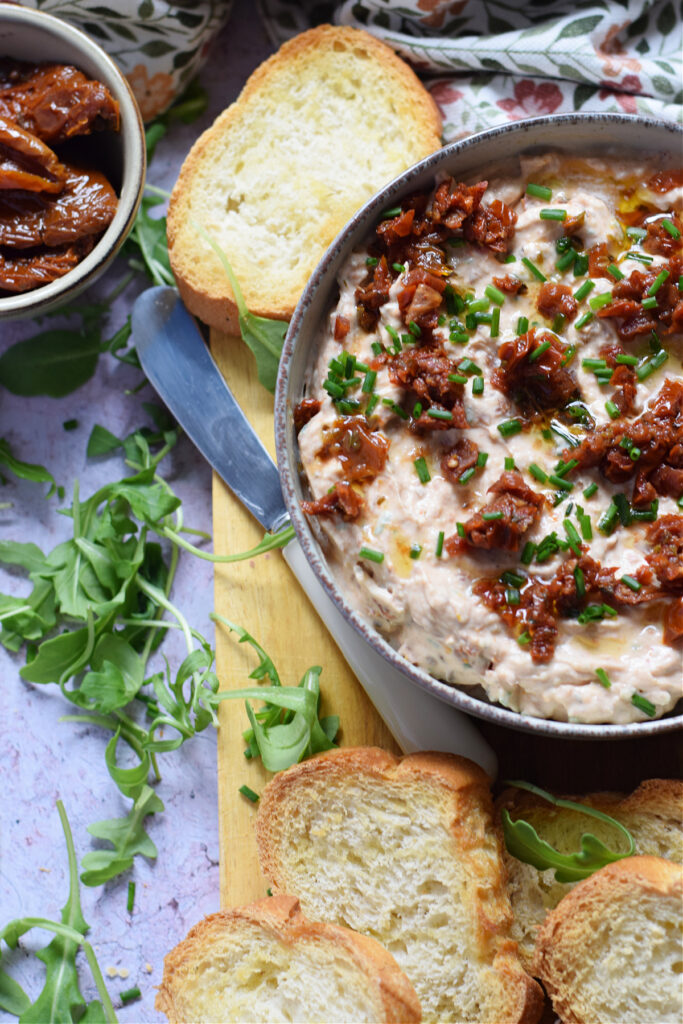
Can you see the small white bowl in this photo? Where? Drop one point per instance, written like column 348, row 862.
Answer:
column 31, row 35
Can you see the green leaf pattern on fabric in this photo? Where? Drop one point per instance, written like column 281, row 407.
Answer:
column 548, row 57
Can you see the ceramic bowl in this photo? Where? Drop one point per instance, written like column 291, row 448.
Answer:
column 35, row 36
column 568, row 132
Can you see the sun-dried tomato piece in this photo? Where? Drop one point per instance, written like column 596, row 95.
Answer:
column 425, row 372
column 395, row 228
column 492, row 226
column 343, row 498
column 453, row 202
column 372, row 293
column 598, row 261
column 542, row 382
column 305, row 411
column 461, row 457
column 673, row 622
column 342, row 325
column 504, row 520
column 554, row 299
column 666, row 537
column 510, row 284
column 361, row 451
column 661, row 241
column 664, row 181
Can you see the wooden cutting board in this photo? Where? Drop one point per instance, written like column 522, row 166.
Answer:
column 264, row 597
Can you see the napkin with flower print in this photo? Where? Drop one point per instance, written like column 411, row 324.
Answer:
column 491, row 61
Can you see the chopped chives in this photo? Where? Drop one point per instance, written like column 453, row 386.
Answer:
column 583, row 320
column 371, row 554
column 369, row 381
column 524, row 638
column 371, row 261
column 393, row 334
column 454, row 302
column 440, row 414
column 650, row 302
column 650, row 365
column 566, row 259
column 539, row 191
column 421, row 470
column 558, row 323
column 603, row 678
column 538, row 473
column 490, row 516
column 636, row 233
column 370, row 407
column 625, row 360
column 468, row 366
column 580, row 581
column 495, row 322
column 391, row 404
column 460, row 529
column 553, row 214
column 631, row 582
column 512, row 595
column 658, row 282
column 522, row 325
column 392, row 212
column 586, row 527
column 528, row 552
column 617, row 274
column 478, row 305
column 509, row 462
column 377, row 348
column 334, row 390
column 414, row 329
column 513, row 579
column 458, row 378
column 417, row 410
column 415, row 551
column 130, row 902
column 598, row 301
column 509, row 427
column 590, row 490
column 640, row 256
column 572, row 536
column 612, row 410
column 482, row 458
column 608, row 520
column 623, row 508
column 635, row 453
column 510, row 258
column 669, row 226
column 560, row 482
column 439, row 544
column 398, row 267
column 478, row 386
column 533, row 269
column 643, row 704
column 129, row 995
column 583, row 290
column 580, row 264
column 538, row 352
column 249, row 793
column 466, row 476
column 562, row 468
column 494, row 294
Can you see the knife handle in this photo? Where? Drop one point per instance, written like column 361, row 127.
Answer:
column 416, row 719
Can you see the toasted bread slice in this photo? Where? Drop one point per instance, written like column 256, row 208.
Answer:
column 612, row 950
column 403, row 849
column 266, row 962
column 653, row 814
column 318, row 129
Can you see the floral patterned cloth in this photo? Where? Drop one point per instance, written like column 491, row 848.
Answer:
column 501, row 60
column 158, row 45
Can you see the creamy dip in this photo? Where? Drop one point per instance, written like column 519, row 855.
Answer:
column 393, row 559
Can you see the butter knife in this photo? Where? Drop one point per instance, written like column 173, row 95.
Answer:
column 180, row 367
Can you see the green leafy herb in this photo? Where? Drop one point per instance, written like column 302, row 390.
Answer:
column 61, row 999
column 288, row 728
column 524, row 843
column 263, row 336
column 26, row 470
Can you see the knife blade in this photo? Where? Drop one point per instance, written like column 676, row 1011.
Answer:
column 179, row 365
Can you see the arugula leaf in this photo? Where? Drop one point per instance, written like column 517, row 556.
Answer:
column 264, row 337
column 102, row 442
column 127, row 836
column 26, row 470
column 524, row 843
column 148, row 235
column 27, row 555
column 60, row 1000
column 53, row 362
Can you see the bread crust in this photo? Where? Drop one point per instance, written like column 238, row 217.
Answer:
column 561, row 940
column 281, row 916
column 466, row 795
column 209, row 296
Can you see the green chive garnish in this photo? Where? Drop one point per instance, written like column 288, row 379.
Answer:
column 559, row 481
column 583, row 320
column 466, row 476
column 369, row 381
column 415, row 551
column 553, row 214
column 371, row 554
column 458, row 378
column 566, row 259
column 583, row 290
column 398, row 267
column 598, row 301
column 650, row 365
column 650, row 303
column 460, row 528
column 533, row 269
column 617, row 274
column 643, row 704
column 490, row 516
column 658, row 282
column 371, row 261
column 130, row 902
column 414, row 329
column 417, row 410
column 494, row 294
column 580, row 581
column 509, row 462
column 538, row 352
column 625, row 360
column 640, row 256
column 528, row 553
column 522, row 325
column 129, row 995
column 636, row 233
column 392, row 212
column 370, row 407
column 603, row 678
column 439, row 544
column 580, row 264
column 468, row 366
column 539, row 191
column 509, row 427
column 249, row 793
column 478, row 386
column 478, row 305
column 421, row 470
column 524, row 638
column 612, row 410
column 440, row 414
column 669, row 226
column 631, row 583
column 495, row 322
column 608, row 519
column 538, row 473
column 590, row 490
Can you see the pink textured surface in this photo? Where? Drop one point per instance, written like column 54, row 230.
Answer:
column 42, row 759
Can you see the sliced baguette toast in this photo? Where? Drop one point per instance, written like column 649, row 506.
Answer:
column 403, row 850
column 653, row 814
column 318, row 129
column 266, row 962
column 612, row 950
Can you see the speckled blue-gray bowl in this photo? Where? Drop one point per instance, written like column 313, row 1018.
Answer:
column 572, row 133
column 31, row 35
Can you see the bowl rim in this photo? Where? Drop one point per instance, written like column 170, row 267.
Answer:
column 42, row 299
column 287, row 458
